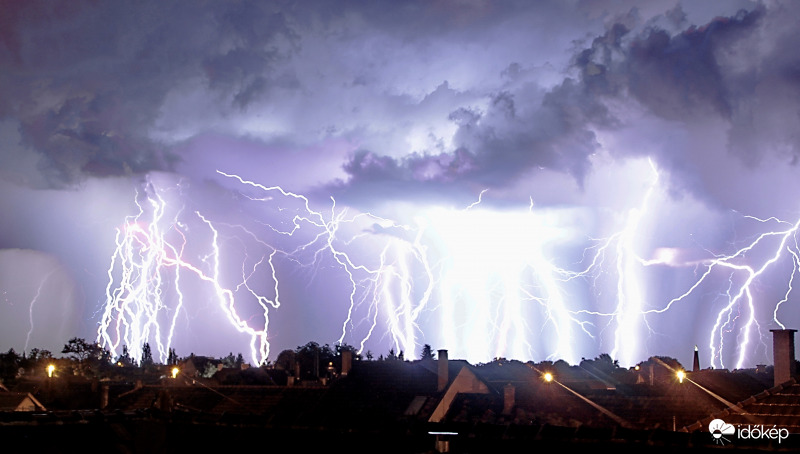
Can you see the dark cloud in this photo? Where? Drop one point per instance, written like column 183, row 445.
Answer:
column 712, row 73
column 397, row 105
column 736, row 72
column 673, row 75
column 87, row 81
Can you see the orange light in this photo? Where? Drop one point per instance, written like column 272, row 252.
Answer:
column 50, row 369
column 681, row 375
column 175, row 371
column 548, row 377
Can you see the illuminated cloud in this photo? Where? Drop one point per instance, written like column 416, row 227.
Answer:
column 403, row 109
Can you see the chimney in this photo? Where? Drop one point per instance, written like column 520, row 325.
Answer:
column 347, row 361
column 509, row 399
column 696, row 364
column 783, row 355
column 104, row 396
column 443, row 370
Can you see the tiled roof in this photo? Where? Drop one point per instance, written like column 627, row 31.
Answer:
column 778, row 406
column 584, row 399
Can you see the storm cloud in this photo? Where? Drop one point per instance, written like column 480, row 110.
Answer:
column 393, row 108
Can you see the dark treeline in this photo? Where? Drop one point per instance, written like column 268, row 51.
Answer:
column 88, row 359
column 312, row 360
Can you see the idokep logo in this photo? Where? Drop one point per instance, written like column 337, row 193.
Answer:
column 719, row 429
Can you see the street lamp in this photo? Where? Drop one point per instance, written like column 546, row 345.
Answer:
column 175, row 371
column 50, row 369
column 681, row 375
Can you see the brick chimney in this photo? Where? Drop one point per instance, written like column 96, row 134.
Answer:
column 104, row 396
column 347, row 361
column 509, row 398
column 783, row 355
column 443, row 370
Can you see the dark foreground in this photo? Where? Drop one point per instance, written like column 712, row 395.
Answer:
column 156, row 432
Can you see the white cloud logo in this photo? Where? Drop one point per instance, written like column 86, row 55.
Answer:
column 719, row 429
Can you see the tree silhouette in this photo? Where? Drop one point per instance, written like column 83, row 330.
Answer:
column 37, row 360
column 172, row 358
column 147, row 355
column 313, row 359
column 9, row 365
column 81, row 350
column 125, row 359
column 92, row 359
column 37, row 355
column 286, row 360
column 427, row 352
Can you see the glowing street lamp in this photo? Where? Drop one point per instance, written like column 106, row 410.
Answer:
column 681, row 375
column 175, row 371
column 50, row 369
column 548, row 377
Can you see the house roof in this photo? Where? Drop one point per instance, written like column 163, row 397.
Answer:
column 778, row 407
column 579, row 397
column 373, row 393
column 12, row 401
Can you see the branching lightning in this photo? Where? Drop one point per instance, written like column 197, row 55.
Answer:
column 481, row 282
column 740, row 307
column 386, row 289
column 149, row 260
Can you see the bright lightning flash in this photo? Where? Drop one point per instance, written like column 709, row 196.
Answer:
column 494, row 280
column 149, row 260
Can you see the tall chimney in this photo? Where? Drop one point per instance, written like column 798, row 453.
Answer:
column 509, row 398
column 783, row 354
column 443, row 370
column 696, row 363
column 347, row 361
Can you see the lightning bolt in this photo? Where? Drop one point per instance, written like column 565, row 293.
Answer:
column 33, row 302
column 385, row 290
column 492, row 278
column 148, row 260
column 496, row 265
column 740, row 307
column 738, row 314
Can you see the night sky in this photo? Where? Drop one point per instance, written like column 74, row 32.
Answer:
column 530, row 180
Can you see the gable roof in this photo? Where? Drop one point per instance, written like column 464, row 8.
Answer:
column 11, row 401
